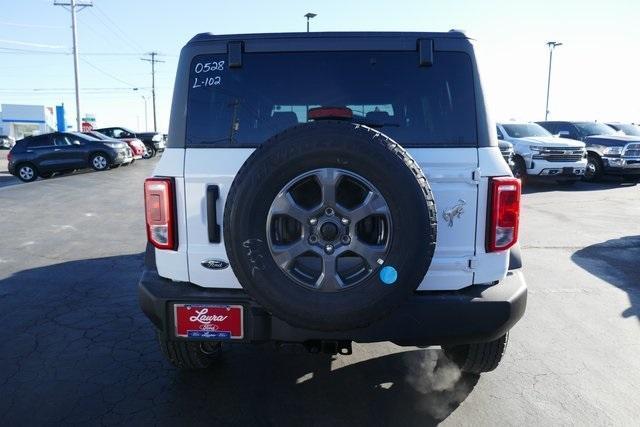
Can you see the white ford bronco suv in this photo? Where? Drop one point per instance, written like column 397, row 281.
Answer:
column 326, row 188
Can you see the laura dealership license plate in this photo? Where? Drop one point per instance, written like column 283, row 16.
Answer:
column 219, row 322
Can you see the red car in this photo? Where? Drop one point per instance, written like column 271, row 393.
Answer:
column 137, row 147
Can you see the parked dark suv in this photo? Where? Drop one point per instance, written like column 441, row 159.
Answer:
column 608, row 152
column 154, row 141
column 44, row 155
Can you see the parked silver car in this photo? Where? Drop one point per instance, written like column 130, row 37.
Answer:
column 7, row 142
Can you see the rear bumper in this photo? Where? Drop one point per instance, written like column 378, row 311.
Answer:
column 473, row 314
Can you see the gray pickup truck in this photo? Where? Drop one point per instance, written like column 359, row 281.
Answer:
column 608, row 151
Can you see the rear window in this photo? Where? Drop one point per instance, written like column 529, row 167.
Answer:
column 417, row 106
column 40, row 141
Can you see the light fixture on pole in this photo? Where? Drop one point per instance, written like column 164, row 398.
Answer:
column 310, row 16
column 551, row 45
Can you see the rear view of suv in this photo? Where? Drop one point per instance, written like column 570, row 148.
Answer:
column 329, row 188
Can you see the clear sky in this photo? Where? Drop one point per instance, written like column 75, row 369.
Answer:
column 595, row 73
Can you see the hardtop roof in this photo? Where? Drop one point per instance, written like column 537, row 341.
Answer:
column 209, row 37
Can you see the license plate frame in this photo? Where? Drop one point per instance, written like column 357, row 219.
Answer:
column 220, row 322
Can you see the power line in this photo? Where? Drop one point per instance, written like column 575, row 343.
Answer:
column 19, row 24
column 100, row 70
column 119, row 32
column 110, row 54
column 10, row 50
column 153, row 61
column 112, row 32
column 18, row 51
column 39, row 96
column 105, row 40
column 71, row 89
column 21, row 43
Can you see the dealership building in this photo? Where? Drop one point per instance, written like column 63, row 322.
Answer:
column 19, row 121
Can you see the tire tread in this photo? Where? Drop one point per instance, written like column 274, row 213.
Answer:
column 479, row 357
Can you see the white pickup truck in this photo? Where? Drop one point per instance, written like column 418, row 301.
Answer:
column 327, row 188
column 540, row 155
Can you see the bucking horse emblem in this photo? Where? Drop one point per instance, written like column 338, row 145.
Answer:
column 455, row 212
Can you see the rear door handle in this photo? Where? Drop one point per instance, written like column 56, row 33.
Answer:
column 213, row 229
column 56, row 149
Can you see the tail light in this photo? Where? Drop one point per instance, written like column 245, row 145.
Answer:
column 9, row 156
column 159, row 206
column 504, row 218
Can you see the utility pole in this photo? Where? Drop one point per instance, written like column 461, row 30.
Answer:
column 153, row 61
column 551, row 45
column 310, row 16
column 72, row 5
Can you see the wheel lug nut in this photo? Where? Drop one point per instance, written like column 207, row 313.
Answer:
column 346, row 240
column 345, row 221
column 328, row 212
column 313, row 239
column 328, row 249
column 313, row 221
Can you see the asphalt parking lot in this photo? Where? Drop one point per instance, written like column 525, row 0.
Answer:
column 75, row 348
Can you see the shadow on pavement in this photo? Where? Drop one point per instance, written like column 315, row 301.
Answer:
column 615, row 261
column 7, row 180
column 75, row 348
column 609, row 182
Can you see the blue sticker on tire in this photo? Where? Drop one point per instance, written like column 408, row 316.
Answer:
column 388, row 275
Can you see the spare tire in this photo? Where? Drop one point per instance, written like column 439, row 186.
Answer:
column 330, row 225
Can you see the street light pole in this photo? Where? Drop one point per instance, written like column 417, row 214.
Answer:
column 146, row 123
column 309, row 16
column 551, row 45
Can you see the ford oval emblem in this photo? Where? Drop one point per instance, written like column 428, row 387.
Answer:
column 214, row 264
